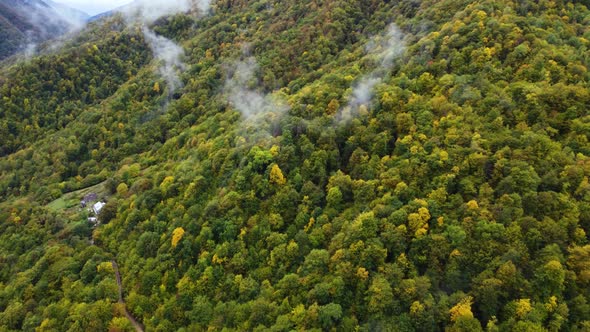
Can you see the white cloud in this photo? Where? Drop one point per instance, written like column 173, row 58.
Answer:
column 384, row 49
column 170, row 56
column 257, row 108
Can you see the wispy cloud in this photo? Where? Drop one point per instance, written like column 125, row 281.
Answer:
column 257, row 108
column 166, row 51
column 387, row 47
column 169, row 54
column 383, row 49
column 45, row 22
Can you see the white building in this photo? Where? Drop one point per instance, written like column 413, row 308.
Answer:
column 97, row 207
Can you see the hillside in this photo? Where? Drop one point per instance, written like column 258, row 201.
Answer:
column 267, row 165
column 24, row 23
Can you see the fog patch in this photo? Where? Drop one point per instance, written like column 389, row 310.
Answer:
column 383, row 50
column 169, row 55
column 44, row 23
column 75, row 18
column 259, row 111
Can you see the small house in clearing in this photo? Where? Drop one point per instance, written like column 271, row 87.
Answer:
column 97, row 207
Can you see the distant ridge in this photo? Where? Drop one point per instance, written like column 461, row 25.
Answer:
column 72, row 15
column 101, row 15
column 28, row 22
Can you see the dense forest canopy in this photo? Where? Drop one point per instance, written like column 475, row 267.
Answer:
column 303, row 165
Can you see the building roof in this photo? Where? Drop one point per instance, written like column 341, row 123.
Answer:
column 97, row 207
column 90, row 197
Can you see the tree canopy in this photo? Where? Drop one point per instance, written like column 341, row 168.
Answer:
column 310, row 173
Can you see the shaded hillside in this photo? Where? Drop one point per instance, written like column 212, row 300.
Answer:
column 339, row 165
column 23, row 23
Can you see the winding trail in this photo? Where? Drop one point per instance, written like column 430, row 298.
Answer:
column 132, row 319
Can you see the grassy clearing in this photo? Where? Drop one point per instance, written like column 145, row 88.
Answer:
column 69, row 202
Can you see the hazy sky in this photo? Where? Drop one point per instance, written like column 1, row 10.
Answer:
column 93, row 7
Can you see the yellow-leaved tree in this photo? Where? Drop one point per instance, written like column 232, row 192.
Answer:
column 122, row 189
column 166, row 183
column 462, row 309
column 177, row 236
column 276, row 175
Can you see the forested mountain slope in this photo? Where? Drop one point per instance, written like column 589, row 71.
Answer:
column 305, row 165
column 24, row 23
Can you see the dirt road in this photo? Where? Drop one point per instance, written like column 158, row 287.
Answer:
column 138, row 327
